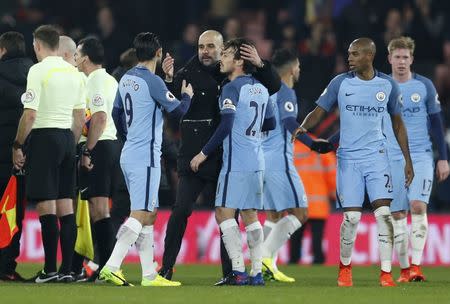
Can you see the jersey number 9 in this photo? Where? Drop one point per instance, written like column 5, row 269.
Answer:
column 128, row 109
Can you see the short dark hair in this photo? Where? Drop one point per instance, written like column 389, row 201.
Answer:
column 146, row 44
column 49, row 35
column 128, row 58
column 93, row 48
column 236, row 44
column 13, row 43
column 283, row 57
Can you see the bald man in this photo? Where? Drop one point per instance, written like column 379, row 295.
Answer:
column 364, row 96
column 67, row 49
column 197, row 126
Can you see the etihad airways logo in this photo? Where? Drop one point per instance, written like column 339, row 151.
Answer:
column 359, row 110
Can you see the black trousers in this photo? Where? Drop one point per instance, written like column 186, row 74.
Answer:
column 189, row 188
column 120, row 209
column 9, row 254
column 317, row 228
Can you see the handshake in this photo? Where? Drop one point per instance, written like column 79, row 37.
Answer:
column 321, row 146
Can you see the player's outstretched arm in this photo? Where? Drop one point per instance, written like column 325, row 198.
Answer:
column 318, row 145
column 402, row 139
column 309, row 122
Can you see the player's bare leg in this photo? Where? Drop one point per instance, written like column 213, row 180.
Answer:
column 419, row 230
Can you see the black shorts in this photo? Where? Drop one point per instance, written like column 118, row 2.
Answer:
column 101, row 180
column 50, row 165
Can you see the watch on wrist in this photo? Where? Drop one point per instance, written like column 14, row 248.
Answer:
column 16, row 145
column 86, row 151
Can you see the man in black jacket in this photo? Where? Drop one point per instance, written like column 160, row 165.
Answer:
column 14, row 68
column 197, row 126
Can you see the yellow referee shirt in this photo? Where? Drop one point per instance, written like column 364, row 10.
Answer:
column 54, row 90
column 101, row 89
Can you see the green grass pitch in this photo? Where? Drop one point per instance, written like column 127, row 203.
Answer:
column 314, row 284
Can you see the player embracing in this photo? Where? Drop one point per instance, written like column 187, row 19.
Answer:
column 363, row 96
column 422, row 116
column 245, row 113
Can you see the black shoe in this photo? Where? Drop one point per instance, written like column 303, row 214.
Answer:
column 13, row 277
column 222, row 281
column 81, row 277
column 94, row 276
column 42, row 277
column 65, row 278
column 166, row 273
column 234, row 278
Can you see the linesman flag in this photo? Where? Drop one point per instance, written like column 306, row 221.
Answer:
column 8, row 225
column 84, row 245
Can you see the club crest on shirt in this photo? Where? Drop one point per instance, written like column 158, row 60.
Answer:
column 380, row 96
column 98, row 100
column 28, row 96
column 415, row 97
column 228, row 104
column 289, row 106
column 170, row 96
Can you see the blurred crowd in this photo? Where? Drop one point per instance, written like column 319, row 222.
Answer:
column 318, row 30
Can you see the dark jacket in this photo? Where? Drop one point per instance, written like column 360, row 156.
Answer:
column 13, row 81
column 203, row 116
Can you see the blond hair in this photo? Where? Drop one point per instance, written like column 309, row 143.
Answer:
column 402, row 43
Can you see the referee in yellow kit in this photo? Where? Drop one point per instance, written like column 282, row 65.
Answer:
column 53, row 116
column 101, row 151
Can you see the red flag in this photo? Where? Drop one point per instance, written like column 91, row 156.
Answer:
column 8, row 226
